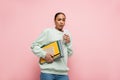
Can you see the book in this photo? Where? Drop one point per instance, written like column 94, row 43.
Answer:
column 55, row 48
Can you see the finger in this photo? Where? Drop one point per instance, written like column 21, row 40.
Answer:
column 50, row 60
column 67, row 35
column 52, row 56
column 64, row 37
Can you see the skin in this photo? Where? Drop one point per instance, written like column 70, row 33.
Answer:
column 60, row 22
column 59, row 25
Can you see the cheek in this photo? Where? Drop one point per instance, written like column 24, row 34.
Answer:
column 58, row 23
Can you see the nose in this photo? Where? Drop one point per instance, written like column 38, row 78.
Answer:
column 61, row 22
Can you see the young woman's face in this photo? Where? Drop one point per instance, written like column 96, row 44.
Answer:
column 60, row 22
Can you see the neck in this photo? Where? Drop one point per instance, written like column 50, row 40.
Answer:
column 59, row 29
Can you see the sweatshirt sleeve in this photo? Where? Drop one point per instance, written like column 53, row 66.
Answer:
column 69, row 46
column 36, row 45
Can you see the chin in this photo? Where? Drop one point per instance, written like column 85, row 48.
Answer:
column 60, row 29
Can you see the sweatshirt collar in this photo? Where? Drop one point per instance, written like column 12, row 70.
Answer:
column 58, row 30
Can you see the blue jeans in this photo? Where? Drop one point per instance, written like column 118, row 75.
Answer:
column 46, row 76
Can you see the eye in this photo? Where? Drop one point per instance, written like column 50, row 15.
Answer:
column 59, row 19
column 63, row 19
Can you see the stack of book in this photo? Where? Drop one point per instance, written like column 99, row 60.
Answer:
column 55, row 48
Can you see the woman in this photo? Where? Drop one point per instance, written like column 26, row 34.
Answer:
column 54, row 69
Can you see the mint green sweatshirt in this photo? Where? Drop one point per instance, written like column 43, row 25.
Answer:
column 58, row 66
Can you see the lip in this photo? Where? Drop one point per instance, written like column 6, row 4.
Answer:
column 61, row 25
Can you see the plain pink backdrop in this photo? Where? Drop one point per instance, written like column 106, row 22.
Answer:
column 95, row 29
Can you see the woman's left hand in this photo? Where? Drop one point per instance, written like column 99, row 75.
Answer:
column 66, row 38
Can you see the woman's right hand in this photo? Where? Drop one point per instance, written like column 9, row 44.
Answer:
column 49, row 58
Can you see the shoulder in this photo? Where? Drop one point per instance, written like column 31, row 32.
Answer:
column 66, row 31
column 47, row 30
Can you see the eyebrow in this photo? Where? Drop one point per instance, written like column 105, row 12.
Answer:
column 61, row 18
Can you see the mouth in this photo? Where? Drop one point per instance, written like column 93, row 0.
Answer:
column 61, row 25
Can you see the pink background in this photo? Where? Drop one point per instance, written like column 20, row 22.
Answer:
column 94, row 25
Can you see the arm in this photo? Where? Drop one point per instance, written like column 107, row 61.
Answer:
column 69, row 48
column 38, row 43
column 68, row 42
column 36, row 47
